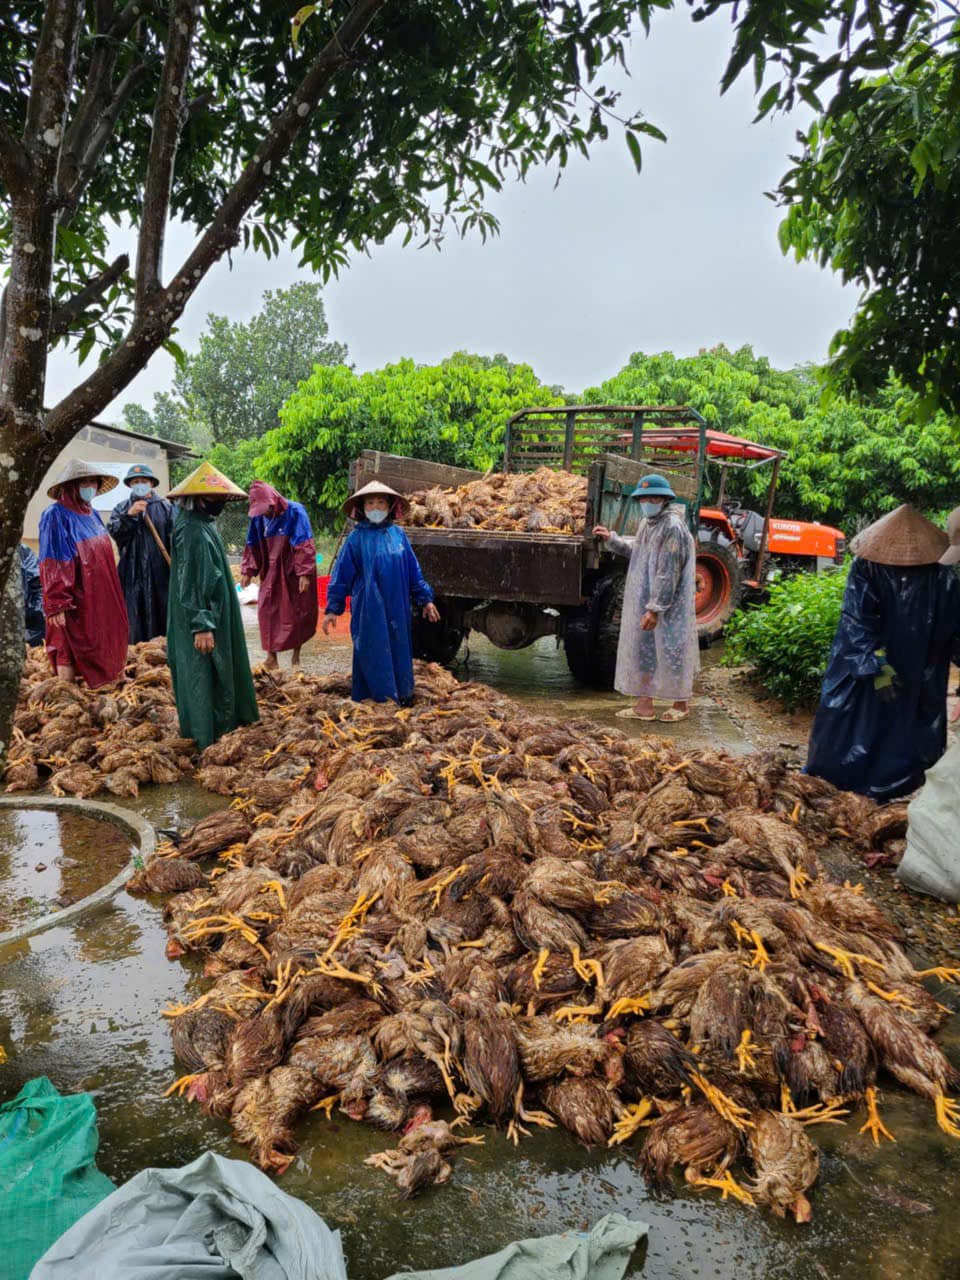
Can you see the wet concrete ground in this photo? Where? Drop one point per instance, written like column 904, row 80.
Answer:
column 81, row 1005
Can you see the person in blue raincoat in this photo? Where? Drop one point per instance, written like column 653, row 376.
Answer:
column 882, row 718
column 379, row 571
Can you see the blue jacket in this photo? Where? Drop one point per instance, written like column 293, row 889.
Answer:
column 378, row 570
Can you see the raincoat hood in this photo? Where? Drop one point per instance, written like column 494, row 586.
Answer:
column 263, row 497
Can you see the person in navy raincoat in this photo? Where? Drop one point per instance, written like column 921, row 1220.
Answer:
column 144, row 569
column 882, row 718
column 280, row 552
column 33, row 623
column 82, row 600
column 379, row 571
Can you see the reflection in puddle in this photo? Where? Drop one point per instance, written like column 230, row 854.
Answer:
column 49, row 860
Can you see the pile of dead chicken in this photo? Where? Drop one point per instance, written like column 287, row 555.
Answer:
column 462, row 905
column 541, row 501
column 82, row 742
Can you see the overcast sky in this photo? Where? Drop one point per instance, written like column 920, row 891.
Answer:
column 680, row 257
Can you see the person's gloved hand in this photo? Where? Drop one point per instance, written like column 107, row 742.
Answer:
column 887, row 684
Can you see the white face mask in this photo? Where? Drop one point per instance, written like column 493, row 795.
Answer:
column 650, row 509
column 88, row 492
column 377, row 516
column 140, row 490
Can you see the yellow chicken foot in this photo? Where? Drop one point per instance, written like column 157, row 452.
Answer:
column 181, row 1086
column 725, row 1107
column 844, row 959
column 537, row 972
column 275, row 886
column 728, row 890
column 746, row 1053
column 948, row 1114
column 465, row 1104
column 532, row 1117
column 787, row 1105
column 941, row 973
column 576, row 1012
column 795, row 814
column 874, row 1125
column 633, row 1118
column 326, row 1104
column 798, row 880
column 588, row 970
column 892, row 997
column 628, row 1004
column 727, row 1185
column 823, row 1113
column 761, row 957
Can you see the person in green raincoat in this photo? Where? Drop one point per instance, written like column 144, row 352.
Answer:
column 206, row 647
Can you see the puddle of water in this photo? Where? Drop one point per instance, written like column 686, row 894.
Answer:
column 49, row 860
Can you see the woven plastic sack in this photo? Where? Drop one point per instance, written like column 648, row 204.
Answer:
column 48, row 1172
column 931, row 863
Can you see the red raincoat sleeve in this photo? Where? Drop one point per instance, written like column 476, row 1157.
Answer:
column 253, row 561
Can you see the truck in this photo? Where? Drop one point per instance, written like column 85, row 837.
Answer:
column 516, row 588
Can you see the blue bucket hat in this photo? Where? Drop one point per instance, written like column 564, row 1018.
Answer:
column 652, row 487
column 140, row 471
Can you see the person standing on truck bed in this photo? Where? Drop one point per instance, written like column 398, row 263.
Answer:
column 377, row 568
column 658, row 655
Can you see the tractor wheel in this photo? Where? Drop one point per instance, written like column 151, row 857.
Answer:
column 437, row 641
column 719, row 586
column 591, row 635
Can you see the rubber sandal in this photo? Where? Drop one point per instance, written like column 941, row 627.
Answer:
column 628, row 713
column 673, row 715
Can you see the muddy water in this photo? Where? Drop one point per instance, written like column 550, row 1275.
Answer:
column 81, row 1006
column 49, row 860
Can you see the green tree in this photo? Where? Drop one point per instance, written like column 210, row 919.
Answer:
column 455, row 412
column 848, row 461
column 874, row 195
column 169, row 420
column 236, row 382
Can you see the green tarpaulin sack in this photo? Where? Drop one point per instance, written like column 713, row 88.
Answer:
column 48, row 1172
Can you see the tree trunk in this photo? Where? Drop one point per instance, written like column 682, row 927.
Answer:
column 12, row 646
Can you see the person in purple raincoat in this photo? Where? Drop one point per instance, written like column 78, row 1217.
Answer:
column 281, row 553
column 82, row 598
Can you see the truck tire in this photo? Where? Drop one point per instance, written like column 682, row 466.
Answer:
column 437, row 641
column 592, row 633
column 719, row 588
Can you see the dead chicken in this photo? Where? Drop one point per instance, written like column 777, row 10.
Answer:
column 786, row 1164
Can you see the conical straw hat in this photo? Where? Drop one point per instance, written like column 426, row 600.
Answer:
column 904, row 537
column 77, row 470
column 207, row 482
column 374, row 490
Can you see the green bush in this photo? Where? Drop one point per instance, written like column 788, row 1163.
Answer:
column 787, row 640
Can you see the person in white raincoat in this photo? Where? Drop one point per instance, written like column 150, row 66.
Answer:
column 658, row 655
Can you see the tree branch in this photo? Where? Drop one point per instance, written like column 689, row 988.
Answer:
column 83, row 168
column 153, row 325
column 65, row 316
column 168, row 120
column 99, row 106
